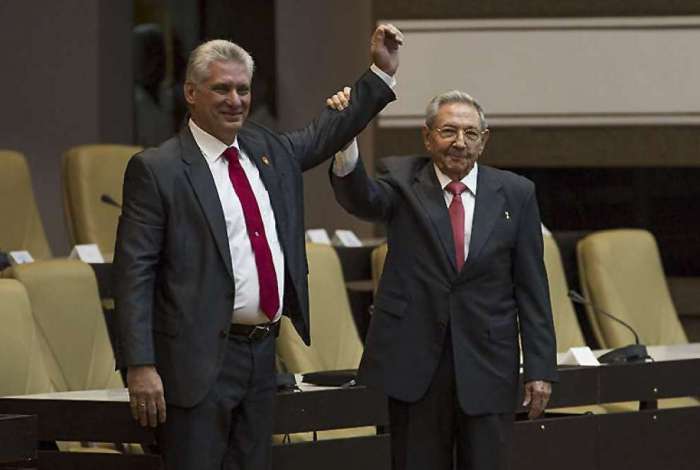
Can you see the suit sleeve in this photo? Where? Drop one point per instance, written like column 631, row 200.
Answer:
column 332, row 129
column 532, row 296
column 362, row 196
column 137, row 253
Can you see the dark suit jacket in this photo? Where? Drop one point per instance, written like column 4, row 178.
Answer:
column 174, row 285
column 501, row 290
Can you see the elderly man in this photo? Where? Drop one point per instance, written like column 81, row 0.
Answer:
column 464, row 275
column 210, row 253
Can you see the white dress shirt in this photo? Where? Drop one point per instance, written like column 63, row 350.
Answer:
column 246, row 309
column 345, row 161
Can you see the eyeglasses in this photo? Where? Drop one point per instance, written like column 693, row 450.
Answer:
column 452, row 133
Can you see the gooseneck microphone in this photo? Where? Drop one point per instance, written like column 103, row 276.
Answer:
column 633, row 353
column 107, row 199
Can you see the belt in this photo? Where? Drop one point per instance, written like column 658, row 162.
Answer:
column 255, row 332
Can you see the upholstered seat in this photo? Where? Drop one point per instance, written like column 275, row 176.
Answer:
column 21, row 228
column 621, row 273
column 89, row 172
column 335, row 343
column 70, row 324
column 21, row 363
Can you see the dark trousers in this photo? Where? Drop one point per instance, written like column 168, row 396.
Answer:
column 232, row 427
column 431, row 432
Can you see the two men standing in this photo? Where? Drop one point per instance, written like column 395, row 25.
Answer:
column 210, row 253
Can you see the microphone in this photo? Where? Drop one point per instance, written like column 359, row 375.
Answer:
column 107, row 199
column 633, row 353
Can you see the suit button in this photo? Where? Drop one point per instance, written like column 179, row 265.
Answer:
column 223, row 333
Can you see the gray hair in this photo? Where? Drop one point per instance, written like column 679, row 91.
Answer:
column 453, row 96
column 217, row 50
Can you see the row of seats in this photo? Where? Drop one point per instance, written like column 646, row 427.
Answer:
column 87, row 173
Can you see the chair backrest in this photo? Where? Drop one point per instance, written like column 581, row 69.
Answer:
column 88, row 172
column 378, row 258
column 21, row 228
column 22, row 368
column 568, row 331
column 621, row 273
column 70, row 324
column 335, row 343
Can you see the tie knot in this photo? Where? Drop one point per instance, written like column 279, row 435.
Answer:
column 231, row 155
column 456, row 187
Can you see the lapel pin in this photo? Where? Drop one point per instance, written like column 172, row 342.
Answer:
column 507, row 215
column 265, row 160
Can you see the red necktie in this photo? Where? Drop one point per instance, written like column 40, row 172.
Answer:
column 456, row 188
column 267, row 279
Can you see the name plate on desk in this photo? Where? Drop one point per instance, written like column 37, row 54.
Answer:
column 89, row 253
column 19, row 257
column 318, row 235
column 581, row 356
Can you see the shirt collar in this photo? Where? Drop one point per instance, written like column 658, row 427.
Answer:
column 211, row 147
column 469, row 180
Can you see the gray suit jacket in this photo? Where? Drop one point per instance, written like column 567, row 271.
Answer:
column 174, row 284
column 501, row 290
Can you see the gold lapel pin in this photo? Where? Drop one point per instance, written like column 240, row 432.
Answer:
column 507, row 215
column 265, row 160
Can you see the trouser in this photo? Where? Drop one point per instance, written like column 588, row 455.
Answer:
column 232, row 427
column 430, row 433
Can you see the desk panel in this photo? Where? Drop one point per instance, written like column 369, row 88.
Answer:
column 18, row 438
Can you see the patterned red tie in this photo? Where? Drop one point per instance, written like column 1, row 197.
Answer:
column 267, row 279
column 456, row 188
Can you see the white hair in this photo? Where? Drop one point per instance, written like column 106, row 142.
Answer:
column 216, row 50
column 453, row 96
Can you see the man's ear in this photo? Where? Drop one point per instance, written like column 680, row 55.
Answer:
column 189, row 89
column 484, row 139
column 426, row 138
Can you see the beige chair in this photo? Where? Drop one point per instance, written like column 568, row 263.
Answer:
column 621, row 273
column 566, row 327
column 88, row 172
column 21, row 363
column 70, row 324
column 21, row 228
column 335, row 343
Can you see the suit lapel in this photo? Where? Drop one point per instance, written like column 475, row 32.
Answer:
column 488, row 207
column 204, row 188
column 272, row 177
column 431, row 196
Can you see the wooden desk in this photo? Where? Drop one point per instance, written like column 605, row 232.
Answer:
column 18, row 438
column 652, row 439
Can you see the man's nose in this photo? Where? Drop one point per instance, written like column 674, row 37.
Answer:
column 233, row 98
column 460, row 141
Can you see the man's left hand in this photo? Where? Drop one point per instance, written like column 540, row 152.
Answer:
column 385, row 48
column 537, row 395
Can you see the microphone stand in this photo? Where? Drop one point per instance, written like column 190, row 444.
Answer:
column 627, row 354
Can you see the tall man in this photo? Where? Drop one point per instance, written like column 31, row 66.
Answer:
column 210, row 252
column 463, row 276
